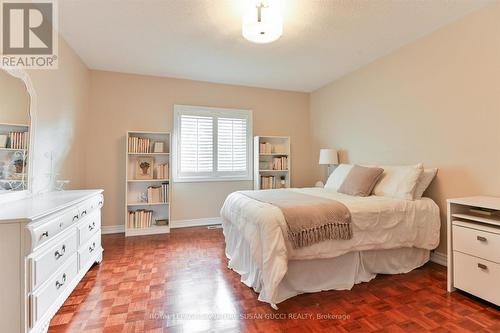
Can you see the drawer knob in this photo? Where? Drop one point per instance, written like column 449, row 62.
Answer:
column 481, row 238
column 482, row 266
column 92, row 226
column 58, row 254
column 60, row 284
column 92, row 248
column 45, row 234
column 100, row 203
column 83, row 213
column 75, row 217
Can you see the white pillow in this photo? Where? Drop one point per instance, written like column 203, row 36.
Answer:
column 424, row 181
column 338, row 176
column 398, row 181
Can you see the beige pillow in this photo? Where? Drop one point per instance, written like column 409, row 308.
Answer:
column 360, row 181
column 424, row 181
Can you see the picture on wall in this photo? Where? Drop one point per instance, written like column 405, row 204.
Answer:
column 144, row 168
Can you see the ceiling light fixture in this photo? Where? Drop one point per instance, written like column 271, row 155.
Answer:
column 263, row 20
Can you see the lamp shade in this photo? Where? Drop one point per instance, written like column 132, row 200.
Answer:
column 328, row 156
column 263, row 20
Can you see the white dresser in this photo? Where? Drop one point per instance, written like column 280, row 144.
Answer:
column 474, row 247
column 47, row 244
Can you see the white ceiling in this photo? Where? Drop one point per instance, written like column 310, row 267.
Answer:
column 201, row 39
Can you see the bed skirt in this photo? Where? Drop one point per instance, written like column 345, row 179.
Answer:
column 315, row 275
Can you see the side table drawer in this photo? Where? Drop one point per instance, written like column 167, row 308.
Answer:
column 477, row 276
column 477, row 243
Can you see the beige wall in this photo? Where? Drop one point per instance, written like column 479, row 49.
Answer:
column 435, row 101
column 123, row 102
column 61, row 119
column 14, row 100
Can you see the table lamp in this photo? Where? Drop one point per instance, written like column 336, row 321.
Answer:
column 328, row 157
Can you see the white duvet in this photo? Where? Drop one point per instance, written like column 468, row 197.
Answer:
column 378, row 223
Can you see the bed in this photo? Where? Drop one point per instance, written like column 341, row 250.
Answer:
column 390, row 236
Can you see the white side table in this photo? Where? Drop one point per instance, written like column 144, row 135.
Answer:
column 474, row 247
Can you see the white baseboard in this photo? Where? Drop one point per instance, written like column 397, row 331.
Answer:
column 195, row 222
column 112, row 229
column 439, row 258
column 116, row 229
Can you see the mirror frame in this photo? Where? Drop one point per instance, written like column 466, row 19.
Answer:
column 22, row 75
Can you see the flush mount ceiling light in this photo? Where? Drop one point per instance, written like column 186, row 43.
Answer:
column 263, row 20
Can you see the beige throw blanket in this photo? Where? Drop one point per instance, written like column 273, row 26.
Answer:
column 309, row 219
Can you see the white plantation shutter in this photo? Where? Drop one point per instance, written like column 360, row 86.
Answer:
column 197, row 144
column 232, row 144
column 211, row 144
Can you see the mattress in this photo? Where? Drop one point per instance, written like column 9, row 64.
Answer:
column 379, row 223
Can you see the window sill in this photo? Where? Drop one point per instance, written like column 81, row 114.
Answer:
column 212, row 180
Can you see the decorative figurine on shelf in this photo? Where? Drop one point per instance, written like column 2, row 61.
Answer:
column 20, row 164
column 282, row 181
column 142, row 197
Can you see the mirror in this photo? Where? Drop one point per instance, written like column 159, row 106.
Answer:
column 15, row 130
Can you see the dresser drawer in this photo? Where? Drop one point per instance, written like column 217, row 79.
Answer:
column 477, row 276
column 89, row 226
column 88, row 206
column 478, row 243
column 46, row 296
column 47, row 262
column 97, row 202
column 50, row 227
column 87, row 252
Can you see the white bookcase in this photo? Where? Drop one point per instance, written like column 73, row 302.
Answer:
column 272, row 161
column 137, row 189
column 10, row 177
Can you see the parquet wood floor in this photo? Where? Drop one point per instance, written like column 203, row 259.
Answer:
column 180, row 283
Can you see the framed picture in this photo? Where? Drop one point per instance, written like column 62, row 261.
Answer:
column 144, row 168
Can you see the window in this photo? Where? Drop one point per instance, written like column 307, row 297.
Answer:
column 211, row 144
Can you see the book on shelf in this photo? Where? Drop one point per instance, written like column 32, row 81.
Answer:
column 18, row 140
column 267, row 182
column 158, row 194
column 141, row 218
column 484, row 211
column 161, row 222
column 3, row 140
column 144, row 145
column 280, row 163
column 268, row 148
column 162, row 171
column 158, row 147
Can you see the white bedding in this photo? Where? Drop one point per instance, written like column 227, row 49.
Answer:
column 378, row 223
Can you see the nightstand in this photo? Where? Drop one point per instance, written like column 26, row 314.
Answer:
column 474, row 246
